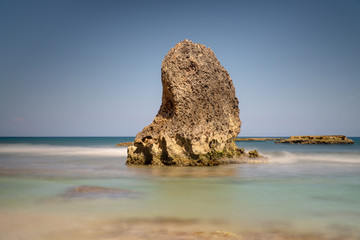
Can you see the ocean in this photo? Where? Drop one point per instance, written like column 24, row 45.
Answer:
column 304, row 192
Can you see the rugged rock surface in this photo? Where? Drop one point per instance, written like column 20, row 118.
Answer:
column 327, row 139
column 199, row 117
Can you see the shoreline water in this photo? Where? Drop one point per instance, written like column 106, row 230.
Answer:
column 305, row 192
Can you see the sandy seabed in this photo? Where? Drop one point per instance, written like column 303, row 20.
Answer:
column 41, row 226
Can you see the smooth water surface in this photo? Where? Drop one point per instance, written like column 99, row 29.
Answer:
column 304, row 189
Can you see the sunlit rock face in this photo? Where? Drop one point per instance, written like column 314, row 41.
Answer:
column 199, row 115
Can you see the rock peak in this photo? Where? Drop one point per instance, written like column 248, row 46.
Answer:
column 199, row 115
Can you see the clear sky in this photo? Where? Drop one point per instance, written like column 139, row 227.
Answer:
column 92, row 68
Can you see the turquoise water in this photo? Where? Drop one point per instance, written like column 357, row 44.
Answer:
column 304, row 189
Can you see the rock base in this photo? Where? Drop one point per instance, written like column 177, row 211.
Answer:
column 232, row 155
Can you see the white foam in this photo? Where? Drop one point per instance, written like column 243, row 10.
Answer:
column 28, row 149
column 274, row 157
column 281, row 157
column 289, row 157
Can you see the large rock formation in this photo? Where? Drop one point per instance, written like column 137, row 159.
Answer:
column 199, row 116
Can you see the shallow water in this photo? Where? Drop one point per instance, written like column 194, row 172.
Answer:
column 305, row 192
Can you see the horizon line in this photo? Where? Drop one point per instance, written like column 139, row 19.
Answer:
column 248, row 136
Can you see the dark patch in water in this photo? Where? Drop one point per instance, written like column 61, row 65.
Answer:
column 86, row 191
column 332, row 199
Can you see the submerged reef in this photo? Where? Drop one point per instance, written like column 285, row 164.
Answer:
column 198, row 119
column 86, row 191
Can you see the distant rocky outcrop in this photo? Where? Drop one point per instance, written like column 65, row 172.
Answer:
column 199, row 116
column 326, row 139
column 257, row 139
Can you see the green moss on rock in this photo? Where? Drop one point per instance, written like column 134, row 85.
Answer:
column 253, row 154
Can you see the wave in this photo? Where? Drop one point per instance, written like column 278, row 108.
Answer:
column 274, row 157
column 51, row 150
column 292, row 157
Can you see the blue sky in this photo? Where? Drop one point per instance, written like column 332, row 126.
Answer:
column 92, row 68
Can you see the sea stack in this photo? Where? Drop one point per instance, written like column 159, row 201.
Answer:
column 198, row 119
